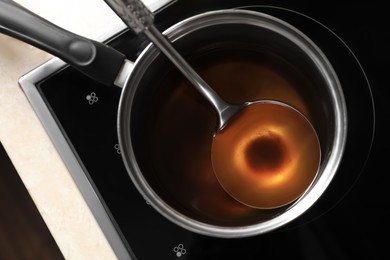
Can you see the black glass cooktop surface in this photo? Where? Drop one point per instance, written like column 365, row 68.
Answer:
column 348, row 219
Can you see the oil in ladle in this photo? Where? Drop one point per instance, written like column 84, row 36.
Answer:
column 265, row 154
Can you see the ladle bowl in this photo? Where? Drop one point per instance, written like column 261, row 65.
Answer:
column 267, row 156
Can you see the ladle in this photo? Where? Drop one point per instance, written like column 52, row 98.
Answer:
column 265, row 154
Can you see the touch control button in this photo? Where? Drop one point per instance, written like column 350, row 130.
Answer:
column 117, row 148
column 179, row 250
column 92, row 98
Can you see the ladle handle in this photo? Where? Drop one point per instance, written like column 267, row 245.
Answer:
column 133, row 13
column 137, row 16
column 95, row 59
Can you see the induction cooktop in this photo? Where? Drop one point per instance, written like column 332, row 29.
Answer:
column 80, row 117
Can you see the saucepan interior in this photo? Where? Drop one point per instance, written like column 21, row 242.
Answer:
column 166, row 127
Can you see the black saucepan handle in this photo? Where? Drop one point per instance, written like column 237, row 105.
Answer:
column 94, row 59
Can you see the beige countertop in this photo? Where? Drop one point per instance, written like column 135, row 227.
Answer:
column 41, row 169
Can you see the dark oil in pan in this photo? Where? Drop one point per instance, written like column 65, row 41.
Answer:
column 174, row 151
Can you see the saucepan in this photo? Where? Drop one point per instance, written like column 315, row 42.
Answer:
column 165, row 127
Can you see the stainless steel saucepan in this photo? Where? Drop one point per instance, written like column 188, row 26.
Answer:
column 173, row 172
